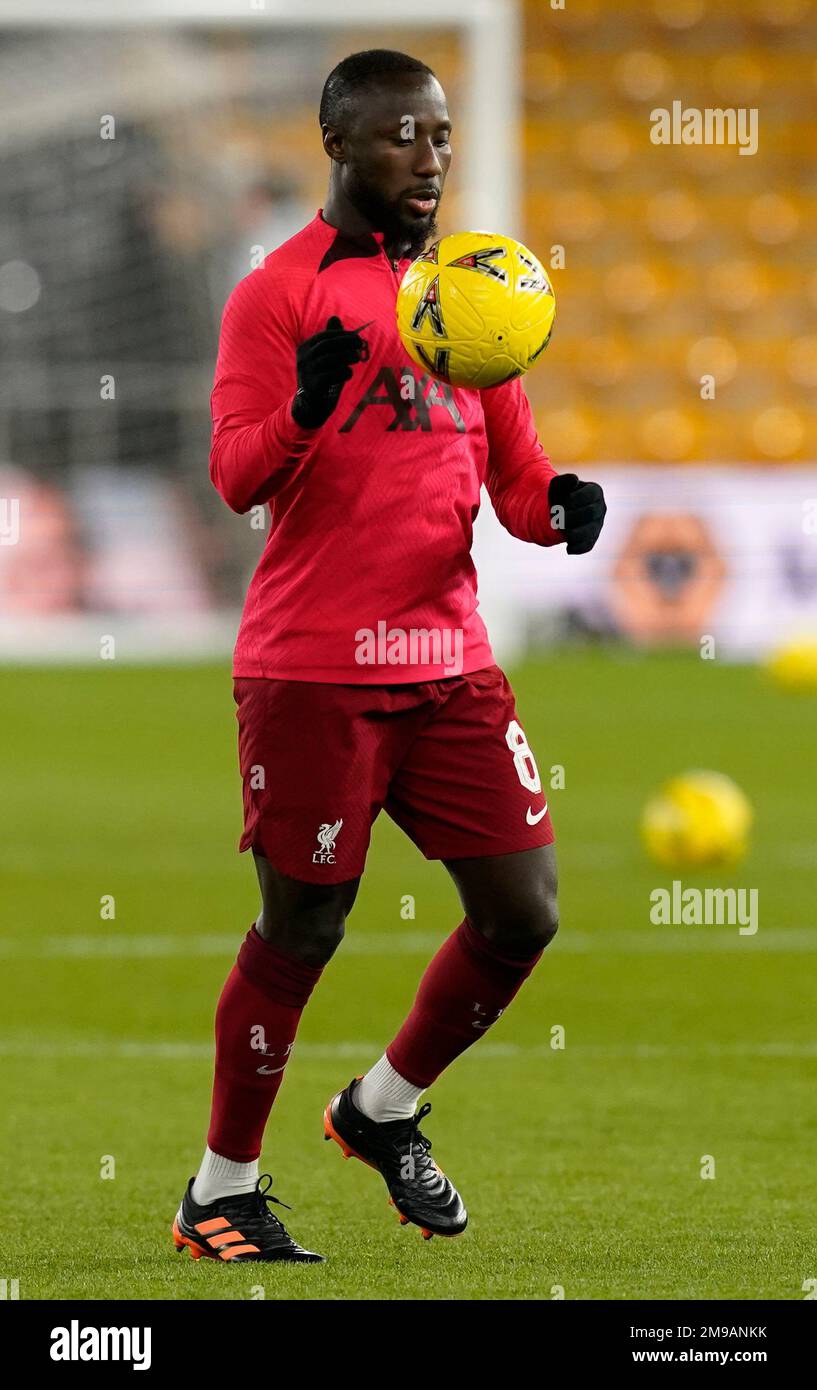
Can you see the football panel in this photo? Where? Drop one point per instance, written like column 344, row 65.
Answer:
column 529, row 345
column 463, row 318
column 533, row 299
column 497, row 370
column 484, row 306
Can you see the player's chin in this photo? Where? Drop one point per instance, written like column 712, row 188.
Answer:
column 420, row 228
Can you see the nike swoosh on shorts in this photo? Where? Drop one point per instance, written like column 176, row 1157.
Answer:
column 532, row 818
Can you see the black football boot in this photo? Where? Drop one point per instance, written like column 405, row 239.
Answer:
column 236, row 1229
column 418, row 1189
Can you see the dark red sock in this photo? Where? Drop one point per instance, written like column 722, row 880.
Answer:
column 464, row 990
column 256, row 1021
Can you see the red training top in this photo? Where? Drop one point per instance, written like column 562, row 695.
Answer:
column 372, row 514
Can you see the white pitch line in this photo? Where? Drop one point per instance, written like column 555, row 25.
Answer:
column 117, row 1049
column 650, row 941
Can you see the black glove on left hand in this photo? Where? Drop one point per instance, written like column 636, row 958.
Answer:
column 583, row 507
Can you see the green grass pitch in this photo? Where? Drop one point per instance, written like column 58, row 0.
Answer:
column 581, row 1167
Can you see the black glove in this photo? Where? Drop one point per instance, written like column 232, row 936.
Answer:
column 584, row 507
column 323, row 363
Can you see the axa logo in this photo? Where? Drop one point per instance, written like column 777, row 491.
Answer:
column 327, row 836
column 407, row 409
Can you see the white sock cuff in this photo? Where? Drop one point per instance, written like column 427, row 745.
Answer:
column 222, row 1177
column 385, row 1095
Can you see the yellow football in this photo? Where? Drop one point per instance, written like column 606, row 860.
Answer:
column 475, row 309
column 697, row 820
column 794, row 666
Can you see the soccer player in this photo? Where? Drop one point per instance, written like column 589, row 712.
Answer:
column 371, row 471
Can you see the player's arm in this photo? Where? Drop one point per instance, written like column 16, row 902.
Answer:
column 271, row 393
column 532, row 500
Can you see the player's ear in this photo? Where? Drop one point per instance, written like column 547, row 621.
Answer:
column 333, row 144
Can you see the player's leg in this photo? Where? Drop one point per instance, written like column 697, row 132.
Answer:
column 306, row 920
column 510, row 906
column 224, row 1212
column 280, row 962
column 469, row 793
column 315, row 760
column 511, row 899
column 510, row 917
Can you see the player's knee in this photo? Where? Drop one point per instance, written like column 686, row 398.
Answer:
column 537, row 922
column 322, row 937
column 522, row 926
column 312, row 936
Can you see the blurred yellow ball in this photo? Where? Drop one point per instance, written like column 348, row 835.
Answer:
column 794, row 666
column 697, row 820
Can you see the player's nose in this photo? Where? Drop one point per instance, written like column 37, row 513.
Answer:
column 427, row 164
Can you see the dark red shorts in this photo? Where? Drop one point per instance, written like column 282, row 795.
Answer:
column 447, row 759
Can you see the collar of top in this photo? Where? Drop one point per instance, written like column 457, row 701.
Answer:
column 341, row 247
column 335, row 231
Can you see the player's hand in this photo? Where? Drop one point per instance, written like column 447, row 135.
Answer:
column 578, row 509
column 323, row 363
